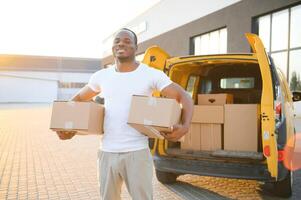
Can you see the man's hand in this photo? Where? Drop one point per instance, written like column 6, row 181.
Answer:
column 178, row 131
column 65, row 135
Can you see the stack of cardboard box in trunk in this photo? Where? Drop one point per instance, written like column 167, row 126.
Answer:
column 218, row 124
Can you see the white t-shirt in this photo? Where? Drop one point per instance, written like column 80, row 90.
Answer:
column 117, row 89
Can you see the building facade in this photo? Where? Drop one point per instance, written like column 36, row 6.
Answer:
column 42, row 79
column 213, row 27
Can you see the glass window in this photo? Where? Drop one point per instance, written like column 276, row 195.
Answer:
column 197, row 45
column 280, row 61
column 204, row 44
column 190, row 85
column 71, row 85
column 223, row 41
column 211, row 43
column 206, row 86
column 283, row 30
column 214, row 42
column 280, row 30
column 237, row 83
column 295, row 70
column 264, row 30
column 295, row 33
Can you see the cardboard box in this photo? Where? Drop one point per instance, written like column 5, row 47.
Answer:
column 83, row 117
column 241, row 127
column 215, row 99
column 208, row 114
column 211, row 137
column 150, row 115
column 192, row 139
column 207, row 137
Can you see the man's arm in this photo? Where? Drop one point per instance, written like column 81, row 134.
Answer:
column 176, row 92
column 84, row 94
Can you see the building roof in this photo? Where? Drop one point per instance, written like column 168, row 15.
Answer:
column 48, row 63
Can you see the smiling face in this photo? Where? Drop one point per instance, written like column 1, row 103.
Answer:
column 124, row 46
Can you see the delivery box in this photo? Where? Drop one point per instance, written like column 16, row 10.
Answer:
column 192, row 139
column 241, row 127
column 208, row 114
column 203, row 137
column 151, row 115
column 211, row 137
column 215, row 99
column 205, row 132
column 83, row 117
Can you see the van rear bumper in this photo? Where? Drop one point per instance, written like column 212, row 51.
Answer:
column 213, row 168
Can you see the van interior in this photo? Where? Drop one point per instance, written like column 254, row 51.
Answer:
column 239, row 78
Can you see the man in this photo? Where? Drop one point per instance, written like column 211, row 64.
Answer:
column 124, row 155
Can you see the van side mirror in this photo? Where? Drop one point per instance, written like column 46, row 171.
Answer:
column 296, row 96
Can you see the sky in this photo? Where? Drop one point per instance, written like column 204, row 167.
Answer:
column 71, row 28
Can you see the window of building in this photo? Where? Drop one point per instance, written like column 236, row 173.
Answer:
column 214, row 42
column 280, row 32
column 71, row 85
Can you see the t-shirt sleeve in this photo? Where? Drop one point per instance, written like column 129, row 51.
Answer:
column 94, row 82
column 160, row 80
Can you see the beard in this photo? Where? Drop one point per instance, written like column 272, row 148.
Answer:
column 123, row 59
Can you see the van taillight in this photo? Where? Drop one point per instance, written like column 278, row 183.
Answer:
column 280, row 155
column 266, row 151
column 278, row 111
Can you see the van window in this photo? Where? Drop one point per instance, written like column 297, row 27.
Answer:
column 191, row 84
column 237, row 83
column 206, row 86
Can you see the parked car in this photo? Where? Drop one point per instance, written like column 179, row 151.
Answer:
column 263, row 84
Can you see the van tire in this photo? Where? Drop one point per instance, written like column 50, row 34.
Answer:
column 283, row 188
column 166, row 177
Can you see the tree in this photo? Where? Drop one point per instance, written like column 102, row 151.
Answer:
column 295, row 83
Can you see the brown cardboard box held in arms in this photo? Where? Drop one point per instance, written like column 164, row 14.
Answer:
column 83, row 117
column 151, row 115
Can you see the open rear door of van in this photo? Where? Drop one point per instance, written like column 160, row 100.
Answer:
column 156, row 57
column 269, row 140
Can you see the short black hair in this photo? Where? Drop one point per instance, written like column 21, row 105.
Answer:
column 134, row 34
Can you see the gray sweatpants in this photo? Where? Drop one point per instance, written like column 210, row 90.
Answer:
column 134, row 168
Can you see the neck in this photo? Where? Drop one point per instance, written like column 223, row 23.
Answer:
column 127, row 66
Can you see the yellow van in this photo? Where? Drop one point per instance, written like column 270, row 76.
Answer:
column 264, row 85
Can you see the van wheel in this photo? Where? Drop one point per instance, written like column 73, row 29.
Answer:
column 166, row 177
column 284, row 188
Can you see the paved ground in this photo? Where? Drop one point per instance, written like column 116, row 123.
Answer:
column 35, row 164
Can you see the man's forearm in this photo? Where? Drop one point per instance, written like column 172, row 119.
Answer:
column 187, row 113
column 76, row 97
column 84, row 94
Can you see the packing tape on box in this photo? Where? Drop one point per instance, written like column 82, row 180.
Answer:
column 154, row 131
column 147, row 122
column 152, row 101
column 68, row 125
column 71, row 103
